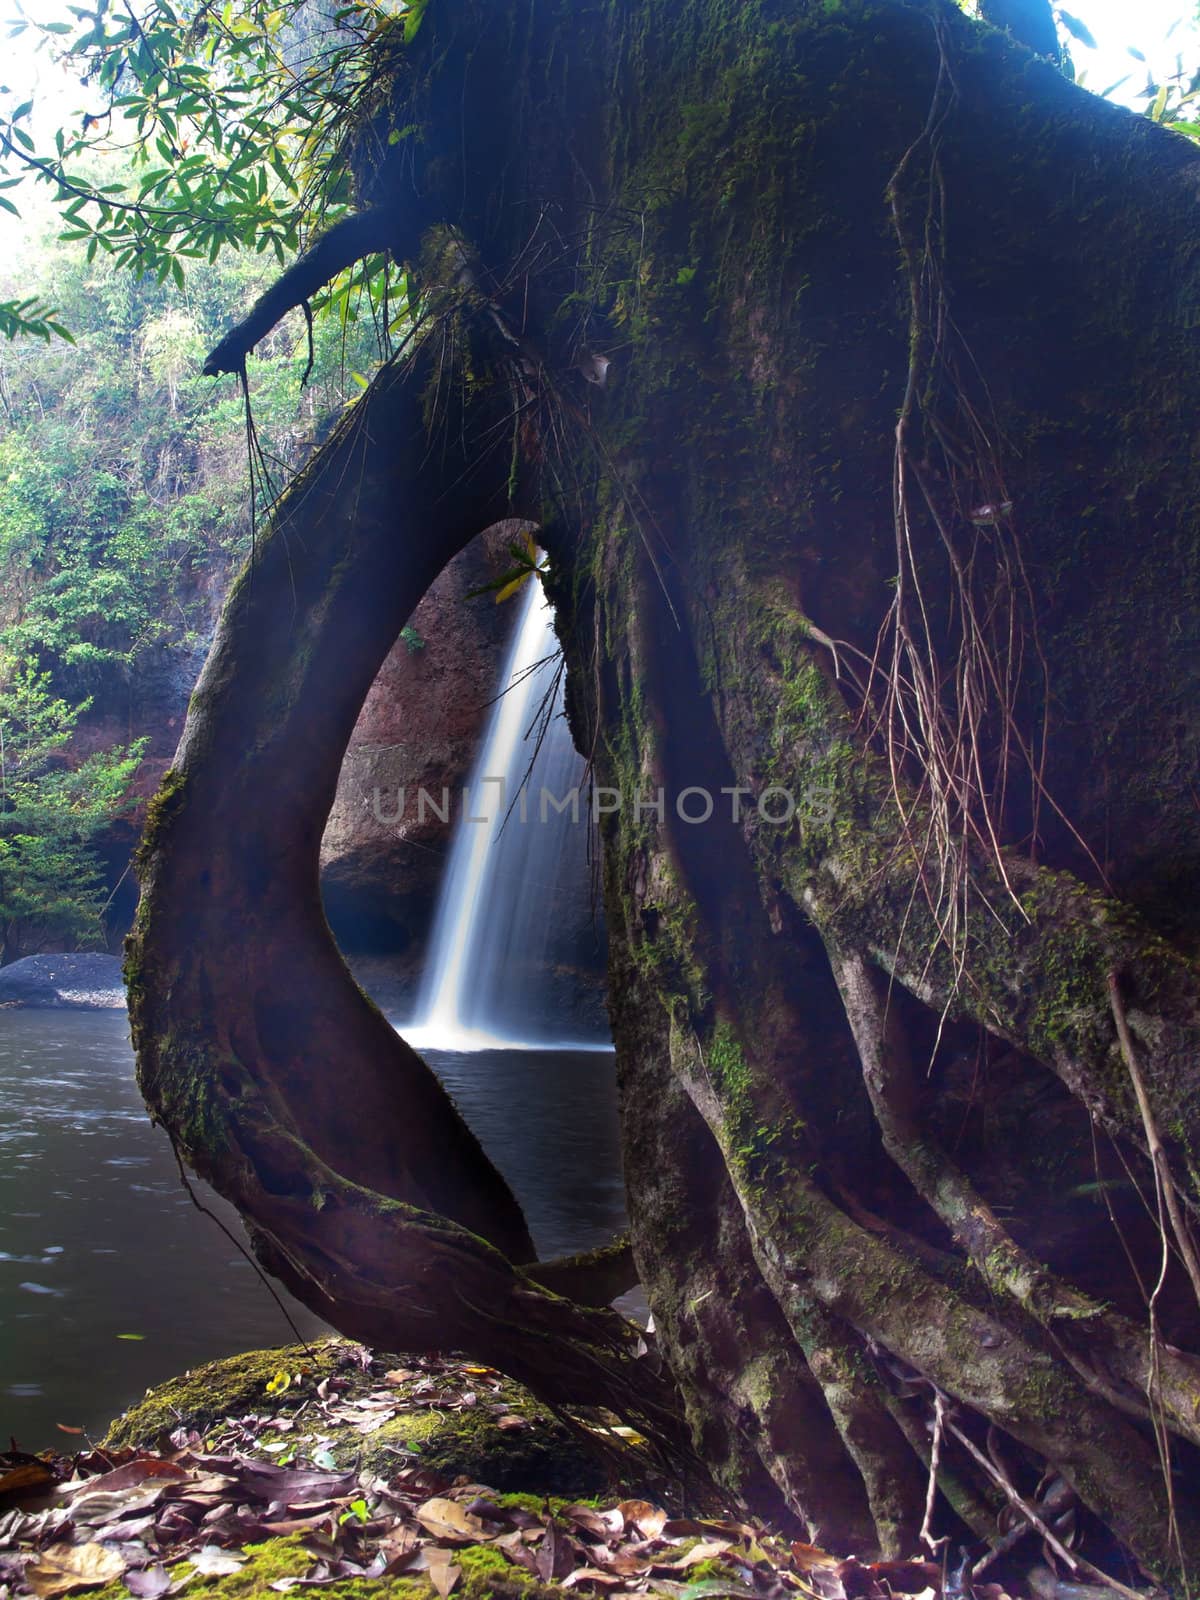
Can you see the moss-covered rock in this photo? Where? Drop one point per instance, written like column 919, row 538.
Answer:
column 544, row 1456
column 208, row 1394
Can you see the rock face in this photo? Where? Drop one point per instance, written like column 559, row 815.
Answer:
column 383, row 854
column 87, row 982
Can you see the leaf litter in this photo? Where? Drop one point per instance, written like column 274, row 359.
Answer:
column 161, row 1520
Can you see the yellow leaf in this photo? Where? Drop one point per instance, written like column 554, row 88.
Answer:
column 531, row 549
column 510, row 589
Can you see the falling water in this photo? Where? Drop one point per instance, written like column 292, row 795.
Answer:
column 517, row 882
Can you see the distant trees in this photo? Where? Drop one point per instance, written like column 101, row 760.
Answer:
column 123, row 507
column 51, row 883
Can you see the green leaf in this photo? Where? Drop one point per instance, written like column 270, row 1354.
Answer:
column 1077, row 29
column 413, row 18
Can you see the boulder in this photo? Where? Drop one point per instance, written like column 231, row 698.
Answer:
column 86, row 981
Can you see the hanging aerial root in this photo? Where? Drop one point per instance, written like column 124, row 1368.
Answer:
column 1162, row 1167
column 1035, row 974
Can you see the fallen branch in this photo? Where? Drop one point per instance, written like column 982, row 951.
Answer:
column 1073, row 1562
column 935, row 1460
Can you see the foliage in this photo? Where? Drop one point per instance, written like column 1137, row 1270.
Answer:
column 230, row 120
column 122, row 509
column 1172, row 98
column 51, row 812
column 29, row 317
column 528, row 562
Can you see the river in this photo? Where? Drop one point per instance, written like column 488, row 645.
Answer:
column 111, row 1279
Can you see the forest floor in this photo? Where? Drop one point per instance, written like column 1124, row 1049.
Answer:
column 329, row 1467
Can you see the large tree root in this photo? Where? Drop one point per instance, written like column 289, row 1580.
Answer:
column 1115, row 1358
column 276, row 1078
column 758, row 1414
column 750, row 1044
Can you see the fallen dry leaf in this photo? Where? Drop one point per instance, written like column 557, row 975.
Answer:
column 63, row 1568
column 126, row 1477
column 598, row 1524
column 902, row 1577
column 148, row 1583
column 649, row 1519
column 443, row 1574
column 555, row 1555
column 593, row 1577
column 210, row 1561
column 705, row 1550
column 446, row 1519
column 26, row 1479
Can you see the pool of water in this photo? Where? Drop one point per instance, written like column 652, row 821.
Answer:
column 111, row 1279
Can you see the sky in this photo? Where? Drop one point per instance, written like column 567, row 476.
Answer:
column 1117, row 24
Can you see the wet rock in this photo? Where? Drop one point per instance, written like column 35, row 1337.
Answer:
column 86, row 981
column 382, row 856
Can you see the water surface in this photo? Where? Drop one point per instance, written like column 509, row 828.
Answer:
column 99, row 1241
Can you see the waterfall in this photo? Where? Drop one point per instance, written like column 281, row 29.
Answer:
column 517, row 879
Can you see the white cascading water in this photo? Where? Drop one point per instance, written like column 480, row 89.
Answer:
column 517, row 870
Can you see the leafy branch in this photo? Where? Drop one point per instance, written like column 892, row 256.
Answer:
column 528, row 562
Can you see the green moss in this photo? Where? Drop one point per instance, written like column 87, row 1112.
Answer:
column 275, row 1559
column 543, row 1458
column 218, row 1389
column 486, row 1573
column 165, row 805
column 711, row 1570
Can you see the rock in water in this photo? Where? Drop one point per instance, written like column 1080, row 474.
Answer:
column 85, row 981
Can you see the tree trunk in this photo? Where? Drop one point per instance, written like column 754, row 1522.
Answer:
column 880, row 536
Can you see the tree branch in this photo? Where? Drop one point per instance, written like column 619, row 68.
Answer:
column 340, row 247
